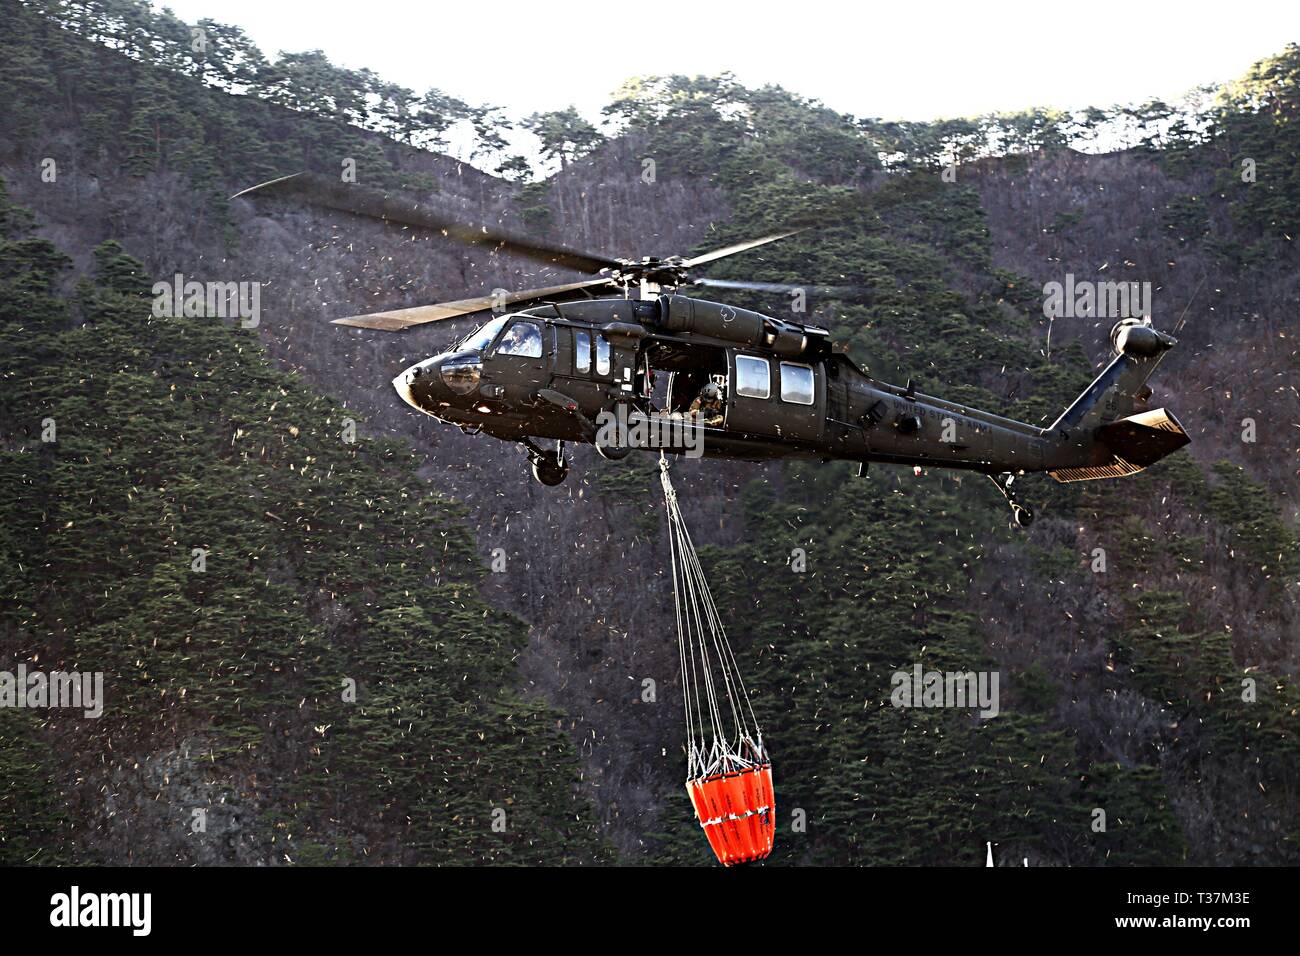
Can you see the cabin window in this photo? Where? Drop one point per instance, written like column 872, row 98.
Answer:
column 581, row 351
column 796, row 384
column 602, row 355
column 524, row 339
column 753, row 377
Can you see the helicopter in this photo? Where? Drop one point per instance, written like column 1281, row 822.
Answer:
column 736, row 383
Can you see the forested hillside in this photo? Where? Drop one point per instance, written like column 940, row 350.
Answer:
column 329, row 560
column 195, row 530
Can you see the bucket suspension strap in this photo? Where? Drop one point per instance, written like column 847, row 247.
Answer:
column 722, row 734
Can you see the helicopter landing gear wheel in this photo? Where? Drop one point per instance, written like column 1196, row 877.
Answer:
column 549, row 467
column 549, row 470
column 1022, row 516
column 611, row 439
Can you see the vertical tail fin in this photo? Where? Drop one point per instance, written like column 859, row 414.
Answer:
column 1113, row 394
column 1111, row 440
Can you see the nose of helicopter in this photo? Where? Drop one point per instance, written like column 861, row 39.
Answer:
column 418, row 385
column 449, row 379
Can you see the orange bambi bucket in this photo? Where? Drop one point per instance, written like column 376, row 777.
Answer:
column 737, row 811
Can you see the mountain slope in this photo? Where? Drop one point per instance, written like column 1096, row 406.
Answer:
column 287, row 623
column 1117, row 695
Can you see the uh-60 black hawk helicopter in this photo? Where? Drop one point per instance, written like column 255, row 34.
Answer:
column 772, row 388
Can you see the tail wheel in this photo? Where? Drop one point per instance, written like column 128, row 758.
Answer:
column 549, row 469
column 1022, row 516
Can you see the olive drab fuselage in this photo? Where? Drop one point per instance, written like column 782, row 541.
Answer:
column 549, row 372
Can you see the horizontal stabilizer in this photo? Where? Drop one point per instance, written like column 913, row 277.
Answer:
column 1134, row 443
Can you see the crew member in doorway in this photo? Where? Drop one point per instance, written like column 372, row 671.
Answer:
column 707, row 407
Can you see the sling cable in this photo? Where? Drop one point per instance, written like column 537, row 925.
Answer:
column 728, row 771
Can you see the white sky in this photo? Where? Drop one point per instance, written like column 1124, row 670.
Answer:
column 902, row 59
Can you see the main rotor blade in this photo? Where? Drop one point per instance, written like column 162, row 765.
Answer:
column 394, row 207
column 841, row 291
column 399, row 319
column 722, row 253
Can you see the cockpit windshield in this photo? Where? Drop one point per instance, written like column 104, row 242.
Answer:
column 482, row 338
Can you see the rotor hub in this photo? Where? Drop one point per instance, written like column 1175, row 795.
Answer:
column 660, row 273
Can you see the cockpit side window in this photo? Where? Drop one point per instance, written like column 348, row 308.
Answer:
column 523, row 339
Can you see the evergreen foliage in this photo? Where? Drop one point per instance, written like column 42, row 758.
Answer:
column 328, row 561
column 324, row 562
